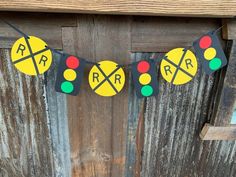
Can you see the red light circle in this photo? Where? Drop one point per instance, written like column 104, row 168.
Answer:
column 205, row 42
column 143, row 66
column 72, row 62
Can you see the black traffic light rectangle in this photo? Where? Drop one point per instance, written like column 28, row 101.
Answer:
column 70, row 74
column 210, row 53
column 144, row 76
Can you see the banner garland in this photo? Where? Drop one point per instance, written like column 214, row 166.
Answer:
column 32, row 56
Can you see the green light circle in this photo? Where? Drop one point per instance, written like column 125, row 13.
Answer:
column 215, row 64
column 147, row 90
column 67, row 87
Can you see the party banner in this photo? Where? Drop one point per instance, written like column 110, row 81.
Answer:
column 32, row 56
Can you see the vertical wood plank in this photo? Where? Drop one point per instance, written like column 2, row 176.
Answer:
column 57, row 123
column 226, row 99
column 173, row 121
column 134, row 128
column 98, row 124
column 25, row 147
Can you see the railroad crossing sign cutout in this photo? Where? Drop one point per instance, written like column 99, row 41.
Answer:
column 106, row 78
column 31, row 56
column 179, row 66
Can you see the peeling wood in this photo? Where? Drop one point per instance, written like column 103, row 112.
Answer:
column 134, row 142
column 57, row 123
column 173, row 121
column 24, row 136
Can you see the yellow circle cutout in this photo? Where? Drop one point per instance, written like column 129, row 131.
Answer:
column 106, row 78
column 30, row 55
column 145, row 78
column 210, row 53
column 69, row 74
column 179, row 66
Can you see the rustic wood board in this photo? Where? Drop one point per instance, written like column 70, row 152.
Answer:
column 57, row 123
column 173, row 121
column 153, row 34
column 226, row 98
column 45, row 26
column 216, row 8
column 210, row 132
column 25, row 146
column 229, row 31
column 135, row 128
column 97, row 125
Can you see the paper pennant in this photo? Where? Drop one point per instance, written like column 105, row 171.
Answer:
column 179, row 66
column 106, row 78
column 144, row 76
column 70, row 74
column 31, row 56
column 210, row 53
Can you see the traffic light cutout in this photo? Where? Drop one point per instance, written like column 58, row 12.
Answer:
column 210, row 53
column 70, row 74
column 144, row 75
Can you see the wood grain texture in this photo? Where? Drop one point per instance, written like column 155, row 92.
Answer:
column 135, row 129
column 173, row 121
column 226, row 97
column 229, row 27
column 57, row 123
column 45, row 26
column 97, row 125
column 25, row 146
column 210, row 132
column 216, row 8
column 153, row 34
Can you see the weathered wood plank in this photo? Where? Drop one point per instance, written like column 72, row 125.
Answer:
column 173, row 121
column 210, row 132
column 153, row 34
column 57, row 123
column 229, row 27
column 25, row 146
column 216, row 8
column 226, row 100
column 135, row 130
column 97, row 125
column 44, row 26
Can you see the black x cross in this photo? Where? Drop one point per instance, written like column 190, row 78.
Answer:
column 107, row 78
column 178, row 66
column 31, row 55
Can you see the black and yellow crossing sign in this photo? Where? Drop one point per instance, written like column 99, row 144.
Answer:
column 179, row 66
column 31, row 56
column 106, row 78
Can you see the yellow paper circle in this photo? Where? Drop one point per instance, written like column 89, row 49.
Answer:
column 210, row 53
column 30, row 56
column 69, row 74
column 101, row 85
column 145, row 78
column 177, row 69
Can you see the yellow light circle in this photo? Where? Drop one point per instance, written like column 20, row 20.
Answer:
column 145, row 78
column 210, row 53
column 23, row 60
column 69, row 74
